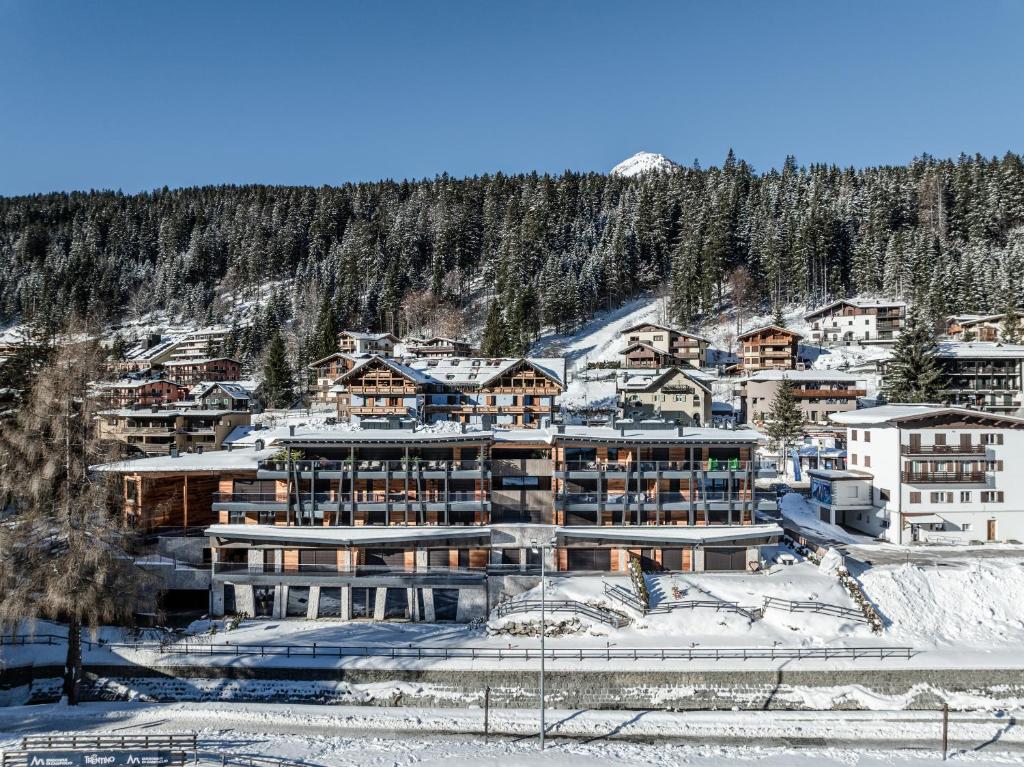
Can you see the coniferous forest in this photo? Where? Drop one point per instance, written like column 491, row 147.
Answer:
column 549, row 250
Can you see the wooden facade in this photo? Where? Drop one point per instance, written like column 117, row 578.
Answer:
column 769, row 348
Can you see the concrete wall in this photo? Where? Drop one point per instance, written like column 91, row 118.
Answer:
column 780, row 689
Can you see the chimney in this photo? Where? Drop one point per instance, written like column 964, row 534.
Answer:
column 462, row 427
column 679, row 430
column 560, row 428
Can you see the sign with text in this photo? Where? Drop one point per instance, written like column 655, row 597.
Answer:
column 104, row 758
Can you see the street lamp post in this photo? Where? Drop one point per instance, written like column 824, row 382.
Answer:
column 543, row 548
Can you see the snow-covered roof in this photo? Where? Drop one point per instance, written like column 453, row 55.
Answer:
column 860, row 303
column 838, row 474
column 666, row 328
column 361, row 336
column 671, row 533
column 329, row 357
column 130, row 383
column 344, row 536
column 803, row 375
column 628, row 431
column 896, row 413
column 146, row 412
column 236, row 390
column 755, row 331
column 209, row 461
column 462, row 371
column 650, row 380
column 980, row 350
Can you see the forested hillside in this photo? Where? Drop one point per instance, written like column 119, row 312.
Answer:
column 549, row 250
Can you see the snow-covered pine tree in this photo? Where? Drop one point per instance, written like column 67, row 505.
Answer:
column 278, row 387
column 913, row 373
column 784, row 424
column 1011, row 331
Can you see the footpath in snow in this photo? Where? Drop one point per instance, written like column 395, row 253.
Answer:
column 361, row 737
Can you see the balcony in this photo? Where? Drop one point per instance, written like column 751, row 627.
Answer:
column 361, row 500
column 944, row 477
column 835, row 393
column 942, row 449
column 649, row 501
column 653, row 467
column 375, row 467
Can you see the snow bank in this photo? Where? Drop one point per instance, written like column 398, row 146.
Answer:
column 797, row 510
column 975, row 604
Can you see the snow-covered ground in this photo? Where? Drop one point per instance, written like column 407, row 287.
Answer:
column 798, row 510
column 294, row 735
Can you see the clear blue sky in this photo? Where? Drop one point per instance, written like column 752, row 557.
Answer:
column 142, row 93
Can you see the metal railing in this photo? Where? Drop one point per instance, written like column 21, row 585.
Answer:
column 514, row 606
column 626, row 598
column 621, row 499
column 796, row 606
column 414, row 465
column 977, row 449
column 943, row 477
column 711, row 464
column 406, row 652
column 454, row 496
column 327, row 569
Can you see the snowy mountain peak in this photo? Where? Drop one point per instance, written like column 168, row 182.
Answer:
column 644, row 162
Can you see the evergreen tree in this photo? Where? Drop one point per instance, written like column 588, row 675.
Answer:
column 495, row 341
column 325, row 338
column 913, row 373
column 278, row 389
column 784, row 424
column 779, row 317
column 1011, row 330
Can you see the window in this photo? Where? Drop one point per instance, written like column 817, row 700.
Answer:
column 853, row 435
column 942, row 497
column 867, row 435
column 659, row 338
column 131, row 490
column 915, row 497
column 853, row 459
column 966, row 526
column 992, row 496
column 991, row 439
column 940, row 438
column 883, row 494
column 867, row 462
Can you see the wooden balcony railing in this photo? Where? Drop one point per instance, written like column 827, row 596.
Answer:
column 943, row 477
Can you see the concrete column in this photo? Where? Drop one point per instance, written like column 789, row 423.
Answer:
column 254, row 557
column 280, row 601
column 314, row 602
column 378, row 607
column 698, row 559
column 346, row 603
column 472, row 604
column 217, row 599
column 414, row 605
column 421, row 559
column 428, row 606
column 245, row 600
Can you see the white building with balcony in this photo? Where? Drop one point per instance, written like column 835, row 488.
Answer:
column 929, row 472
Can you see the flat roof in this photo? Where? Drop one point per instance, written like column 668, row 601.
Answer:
column 802, row 375
column 838, row 474
column 344, row 536
column 979, row 350
column 897, row 413
column 210, row 460
column 670, row 533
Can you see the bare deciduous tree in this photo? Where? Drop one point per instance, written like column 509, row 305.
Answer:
column 65, row 554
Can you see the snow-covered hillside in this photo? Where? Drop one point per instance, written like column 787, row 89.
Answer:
column 644, row 162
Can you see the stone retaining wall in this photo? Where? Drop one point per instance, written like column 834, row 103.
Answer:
column 685, row 690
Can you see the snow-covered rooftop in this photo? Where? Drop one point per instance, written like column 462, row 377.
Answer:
column 980, row 349
column 343, row 536
column 672, row 533
column 860, row 303
column 214, row 460
column 803, row 375
column 896, row 413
